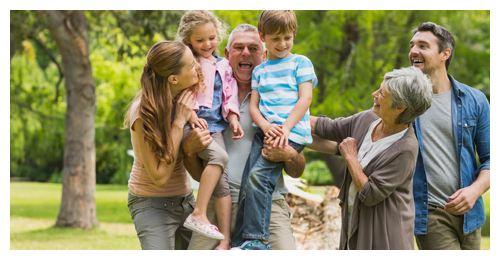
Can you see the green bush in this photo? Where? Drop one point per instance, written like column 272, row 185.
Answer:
column 118, row 42
column 36, row 120
column 317, row 173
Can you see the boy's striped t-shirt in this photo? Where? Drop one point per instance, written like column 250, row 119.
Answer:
column 277, row 82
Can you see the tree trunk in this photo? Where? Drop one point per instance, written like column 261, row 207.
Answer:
column 69, row 30
column 316, row 225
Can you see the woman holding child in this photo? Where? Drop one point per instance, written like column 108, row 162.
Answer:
column 380, row 149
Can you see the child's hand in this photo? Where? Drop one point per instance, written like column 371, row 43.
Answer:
column 270, row 141
column 235, row 126
column 236, row 129
column 283, row 142
column 198, row 123
column 272, row 131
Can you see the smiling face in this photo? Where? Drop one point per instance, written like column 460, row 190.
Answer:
column 203, row 40
column 424, row 53
column 382, row 104
column 244, row 53
column 188, row 76
column 279, row 45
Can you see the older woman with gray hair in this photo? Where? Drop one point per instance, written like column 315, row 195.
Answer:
column 380, row 149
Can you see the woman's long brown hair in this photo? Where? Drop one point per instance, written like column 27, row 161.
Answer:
column 156, row 101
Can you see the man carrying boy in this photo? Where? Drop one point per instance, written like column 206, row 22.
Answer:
column 279, row 106
column 244, row 51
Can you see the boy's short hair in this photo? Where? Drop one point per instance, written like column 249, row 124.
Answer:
column 277, row 21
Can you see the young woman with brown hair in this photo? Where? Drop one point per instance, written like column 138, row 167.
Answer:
column 160, row 196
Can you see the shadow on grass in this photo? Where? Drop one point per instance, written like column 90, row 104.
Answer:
column 108, row 237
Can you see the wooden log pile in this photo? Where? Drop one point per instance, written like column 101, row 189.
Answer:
column 316, row 224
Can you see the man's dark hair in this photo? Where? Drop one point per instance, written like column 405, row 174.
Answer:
column 445, row 39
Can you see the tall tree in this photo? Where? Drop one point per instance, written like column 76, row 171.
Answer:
column 69, row 30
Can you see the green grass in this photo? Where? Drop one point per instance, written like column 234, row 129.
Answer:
column 32, row 233
column 34, row 208
column 111, row 201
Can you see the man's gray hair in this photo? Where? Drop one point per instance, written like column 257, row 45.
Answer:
column 244, row 27
column 411, row 88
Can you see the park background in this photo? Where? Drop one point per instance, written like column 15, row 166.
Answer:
column 350, row 50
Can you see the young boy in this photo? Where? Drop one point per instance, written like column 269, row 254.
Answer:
column 279, row 106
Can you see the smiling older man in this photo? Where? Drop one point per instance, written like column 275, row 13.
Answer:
column 244, row 51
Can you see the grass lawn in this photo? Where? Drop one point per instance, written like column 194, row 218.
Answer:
column 34, row 208
column 33, row 233
column 42, row 201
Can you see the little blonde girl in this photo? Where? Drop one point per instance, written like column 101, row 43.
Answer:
column 217, row 105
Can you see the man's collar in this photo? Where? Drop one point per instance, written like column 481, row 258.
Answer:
column 456, row 86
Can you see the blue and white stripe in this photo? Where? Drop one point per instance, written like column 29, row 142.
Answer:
column 277, row 82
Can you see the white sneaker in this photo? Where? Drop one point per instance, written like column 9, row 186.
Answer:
column 207, row 230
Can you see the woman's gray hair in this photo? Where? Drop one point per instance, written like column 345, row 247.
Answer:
column 240, row 28
column 411, row 88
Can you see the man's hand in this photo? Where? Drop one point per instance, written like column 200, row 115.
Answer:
column 462, row 201
column 294, row 162
column 278, row 154
column 197, row 140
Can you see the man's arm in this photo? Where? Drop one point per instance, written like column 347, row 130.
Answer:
column 464, row 199
column 482, row 183
column 295, row 166
column 294, row 162
column 196, row 141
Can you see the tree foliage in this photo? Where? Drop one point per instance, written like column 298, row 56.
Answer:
column 350, row 50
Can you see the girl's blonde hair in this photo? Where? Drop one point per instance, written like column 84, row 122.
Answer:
column 191, row 19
